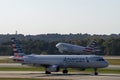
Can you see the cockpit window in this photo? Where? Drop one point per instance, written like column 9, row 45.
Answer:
column 100, row 59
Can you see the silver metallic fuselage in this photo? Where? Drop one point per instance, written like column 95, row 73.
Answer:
column 66, row 61
column 65, row 47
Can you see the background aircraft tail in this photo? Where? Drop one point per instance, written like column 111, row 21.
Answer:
column 91, row 47
column 18, row 53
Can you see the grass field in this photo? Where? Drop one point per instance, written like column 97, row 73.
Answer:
column 21, row 69
column 113, row 61
column 6, row 60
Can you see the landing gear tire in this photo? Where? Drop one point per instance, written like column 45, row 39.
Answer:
column 47, row 72
column 65, row 71
column 95, row 73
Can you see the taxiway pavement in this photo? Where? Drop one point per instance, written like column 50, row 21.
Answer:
column 70, row 76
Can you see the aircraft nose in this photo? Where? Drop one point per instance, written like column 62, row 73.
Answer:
column 106, row 64
column 58, row 45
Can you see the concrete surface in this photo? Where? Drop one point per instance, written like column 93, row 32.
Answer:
column 70, row 76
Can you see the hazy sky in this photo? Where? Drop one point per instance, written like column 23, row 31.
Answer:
column 60, row 16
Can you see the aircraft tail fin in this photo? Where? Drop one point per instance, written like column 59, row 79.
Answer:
column 18, row 53
column 91, row 46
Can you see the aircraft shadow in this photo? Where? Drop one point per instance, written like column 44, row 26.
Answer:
column 52, row 75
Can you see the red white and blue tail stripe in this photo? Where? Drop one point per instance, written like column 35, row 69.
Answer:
column 90, row 48
column 18, row 53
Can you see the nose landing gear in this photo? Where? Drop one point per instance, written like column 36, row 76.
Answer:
column 95, row 71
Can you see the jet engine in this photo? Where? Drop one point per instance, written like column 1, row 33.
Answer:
column 53, row 68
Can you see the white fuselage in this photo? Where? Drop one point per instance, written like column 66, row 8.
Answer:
column 66, row 61
column 65, row 47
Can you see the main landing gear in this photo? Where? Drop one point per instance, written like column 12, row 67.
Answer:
column 47, row 72
column 65, row 71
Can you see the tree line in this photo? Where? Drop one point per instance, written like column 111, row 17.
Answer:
column 107, row 46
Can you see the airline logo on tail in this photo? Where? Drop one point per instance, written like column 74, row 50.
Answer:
column 18, row 53
column 90, row 48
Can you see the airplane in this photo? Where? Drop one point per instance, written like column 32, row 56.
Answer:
column 66, row 47
column 53, row 63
